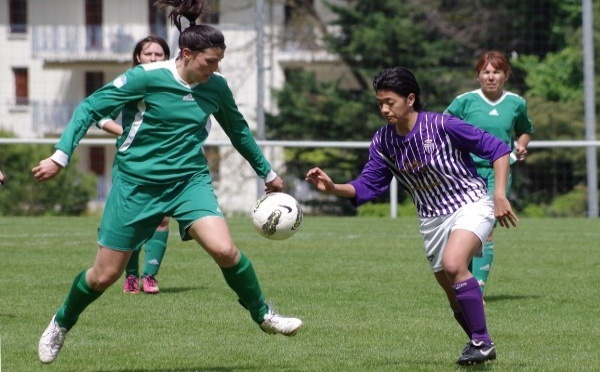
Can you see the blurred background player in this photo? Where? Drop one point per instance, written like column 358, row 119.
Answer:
column 502, row 114
column 148, row 50
column 429, row 154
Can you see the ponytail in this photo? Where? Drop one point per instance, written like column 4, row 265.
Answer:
column 189, row 9
column 196, row 37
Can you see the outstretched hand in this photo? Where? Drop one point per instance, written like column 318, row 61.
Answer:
column 46, row 170
column 504, row 213
column 319, row 179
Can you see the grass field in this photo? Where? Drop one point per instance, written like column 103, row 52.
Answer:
column 361, row 286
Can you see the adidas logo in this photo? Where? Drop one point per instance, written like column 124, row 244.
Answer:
column 189, row 97
column 494, row 113
column 153, row 262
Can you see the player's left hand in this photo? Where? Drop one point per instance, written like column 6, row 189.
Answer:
column 520, row 152
column 504, row 213
column 46, row 170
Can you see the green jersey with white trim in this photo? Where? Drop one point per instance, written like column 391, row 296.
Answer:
column 505, row 118
column 165, row 123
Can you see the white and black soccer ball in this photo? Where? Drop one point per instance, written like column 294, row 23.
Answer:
column 277, row 216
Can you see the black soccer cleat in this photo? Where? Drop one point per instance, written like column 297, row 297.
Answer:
column 476, row 352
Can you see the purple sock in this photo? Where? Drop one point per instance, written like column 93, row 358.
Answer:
column 470, row 300
column 458, row 315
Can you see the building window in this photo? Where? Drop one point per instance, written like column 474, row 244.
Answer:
column 93, row 24
column 157, row 21
column 21, row 86
column 94, row 80
column 213, row 8
column 97, row 159
column 18, row 16
column 300, row 25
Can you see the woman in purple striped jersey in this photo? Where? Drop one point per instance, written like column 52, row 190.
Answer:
column 429, row 154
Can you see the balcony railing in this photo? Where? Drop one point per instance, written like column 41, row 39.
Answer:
column 51, row 117
column 91, row 42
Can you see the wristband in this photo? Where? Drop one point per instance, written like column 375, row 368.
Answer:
column 102, row 122
column 60, row 158
column 270, row 176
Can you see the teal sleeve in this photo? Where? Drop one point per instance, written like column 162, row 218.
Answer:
column 523, row 124
column 454, row 109
column 111, row 97
column 236, row 128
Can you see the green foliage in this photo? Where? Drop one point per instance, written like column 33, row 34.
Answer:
column 439, row 41
column 310, row 110
column 559, row 77
column 572, row 204
column 22, row 195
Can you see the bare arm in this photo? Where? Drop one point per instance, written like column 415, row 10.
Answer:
column 323, row 182
column 110, row 126
column 521, row 146
column 502, row 209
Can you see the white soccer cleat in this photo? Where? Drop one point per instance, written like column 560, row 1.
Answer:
column 275, row 323
column 51, row 342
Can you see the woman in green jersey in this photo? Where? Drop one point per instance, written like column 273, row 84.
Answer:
column 149, row 49
column 498, row 112
column 160, row 170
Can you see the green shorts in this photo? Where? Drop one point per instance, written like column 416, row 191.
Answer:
column 133, row 212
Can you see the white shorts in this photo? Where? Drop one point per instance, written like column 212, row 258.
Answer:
column 477, row 218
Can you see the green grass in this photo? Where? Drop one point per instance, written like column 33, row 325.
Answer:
column 361, row 285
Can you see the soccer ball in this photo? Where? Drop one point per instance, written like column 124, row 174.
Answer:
column 276, row 216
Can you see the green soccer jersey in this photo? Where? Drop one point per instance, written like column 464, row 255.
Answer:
column 505, row 118
column 165, row 123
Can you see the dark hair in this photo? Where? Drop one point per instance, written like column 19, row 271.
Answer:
column 148, row 40
column 497, row 59
column 195, row 37
column 401, row 81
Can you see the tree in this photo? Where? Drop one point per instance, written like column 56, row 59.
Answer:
column 22, row 195
column 439, row 40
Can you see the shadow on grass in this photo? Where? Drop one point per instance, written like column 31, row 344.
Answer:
column 206, row 369
column 182, row 289
column 507, row 297
column 488, row 366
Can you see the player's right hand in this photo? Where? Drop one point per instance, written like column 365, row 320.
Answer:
column 319, row 179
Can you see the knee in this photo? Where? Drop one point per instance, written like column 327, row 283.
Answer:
column 164, row 225
column 226, row 255
column 100, row 280
column 452, row 270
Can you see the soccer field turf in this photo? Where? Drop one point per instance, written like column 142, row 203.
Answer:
column 361, row 285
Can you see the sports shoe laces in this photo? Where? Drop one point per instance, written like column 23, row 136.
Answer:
column 131, row 282
column 151, row 280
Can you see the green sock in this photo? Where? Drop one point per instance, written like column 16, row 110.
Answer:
column 79, row 297
column 133, row 265
column 155, row 251
column 482, row 265
column 242, row 279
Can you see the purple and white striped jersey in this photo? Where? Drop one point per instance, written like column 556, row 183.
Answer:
column 432, row 163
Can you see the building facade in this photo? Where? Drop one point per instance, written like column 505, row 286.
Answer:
column 57, row 52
